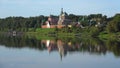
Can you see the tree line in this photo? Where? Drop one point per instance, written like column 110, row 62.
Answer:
column 21, row 23
column 111, row 24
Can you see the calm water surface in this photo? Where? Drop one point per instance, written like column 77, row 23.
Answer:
column 26, row 52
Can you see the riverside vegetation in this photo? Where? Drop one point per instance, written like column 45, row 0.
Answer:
column 108, row 27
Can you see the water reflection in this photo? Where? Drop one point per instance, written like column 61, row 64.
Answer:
column 63, row 45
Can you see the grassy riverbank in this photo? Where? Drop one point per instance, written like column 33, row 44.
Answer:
column 63, row 33
column 49, row 34
column 105, row 35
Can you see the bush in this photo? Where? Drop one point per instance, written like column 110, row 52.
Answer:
column 94, row 31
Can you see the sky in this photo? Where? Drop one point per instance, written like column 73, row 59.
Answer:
column 27, row 8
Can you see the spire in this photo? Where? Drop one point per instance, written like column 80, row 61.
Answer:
column 61, row 10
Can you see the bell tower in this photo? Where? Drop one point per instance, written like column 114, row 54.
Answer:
column 61, row 17
column 61, row 11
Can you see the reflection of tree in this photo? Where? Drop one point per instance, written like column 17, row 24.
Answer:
column 93, row 45
column 113, row 46
column 63, row 45
column 20, row 42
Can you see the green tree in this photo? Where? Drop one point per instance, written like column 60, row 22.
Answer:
column 114, row 24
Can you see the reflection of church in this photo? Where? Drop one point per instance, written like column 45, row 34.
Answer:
column 60, row 22
column 55, row 46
